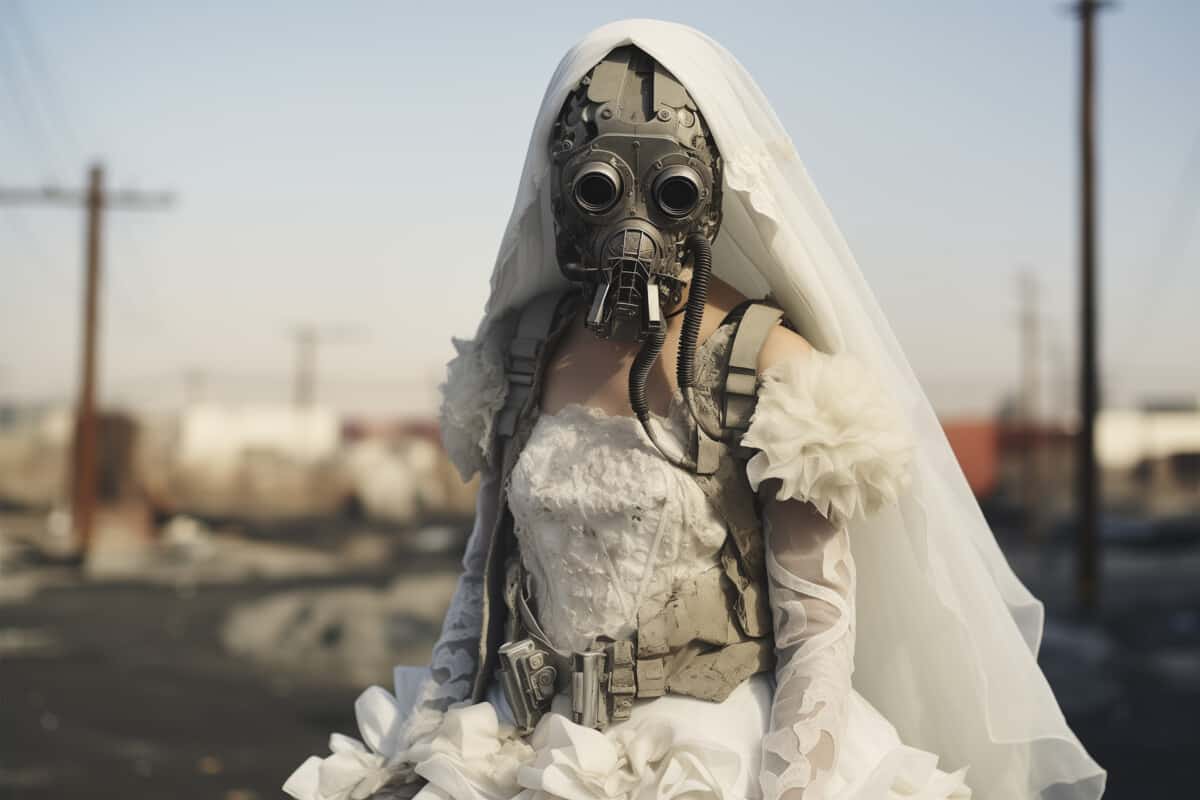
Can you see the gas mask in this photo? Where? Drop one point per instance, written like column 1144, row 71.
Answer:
column 635, row 174
column 636, row 195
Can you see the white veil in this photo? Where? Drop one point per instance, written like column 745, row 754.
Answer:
column 947, row 635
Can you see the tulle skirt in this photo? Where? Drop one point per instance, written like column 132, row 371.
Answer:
column 671, row 747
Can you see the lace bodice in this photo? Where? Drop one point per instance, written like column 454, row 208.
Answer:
column 604, row 524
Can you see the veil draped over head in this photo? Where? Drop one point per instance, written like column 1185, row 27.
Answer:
column 947, row 635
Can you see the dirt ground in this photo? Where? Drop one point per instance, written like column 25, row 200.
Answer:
column 124, row 689
column 126, row 693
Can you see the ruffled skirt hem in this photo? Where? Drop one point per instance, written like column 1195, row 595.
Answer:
column 671, row 748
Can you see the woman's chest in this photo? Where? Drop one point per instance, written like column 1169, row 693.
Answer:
column 589, row 486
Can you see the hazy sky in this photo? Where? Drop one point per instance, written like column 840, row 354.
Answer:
column 353, row 165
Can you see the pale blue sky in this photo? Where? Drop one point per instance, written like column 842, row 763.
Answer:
column 355, row 163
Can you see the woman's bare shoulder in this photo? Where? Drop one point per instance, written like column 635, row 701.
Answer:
column 783, row 344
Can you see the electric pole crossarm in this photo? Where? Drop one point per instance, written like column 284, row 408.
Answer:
column 126, row 200
column 139, row 201
column 47, row 196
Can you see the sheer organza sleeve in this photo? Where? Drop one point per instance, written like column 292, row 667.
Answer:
column 829, row 449
column 453, row 662
column 810, row 576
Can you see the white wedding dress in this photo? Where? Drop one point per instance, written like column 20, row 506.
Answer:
column 942, row 636
column 605, row 525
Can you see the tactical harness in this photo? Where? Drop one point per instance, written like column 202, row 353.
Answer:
column 715, row 628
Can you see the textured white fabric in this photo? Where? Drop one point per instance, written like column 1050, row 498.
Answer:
column 357, row 769
column 942, row 620
column 656, row 749
column 810, row 580
column 828, row 432
column 474, row 391
column 605, row 524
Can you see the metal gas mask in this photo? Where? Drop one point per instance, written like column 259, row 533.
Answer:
column 635, row 174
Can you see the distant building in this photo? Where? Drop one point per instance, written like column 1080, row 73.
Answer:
column 1149, row 460
column 1151, row 457
column 976, row 445
column 1012, row 467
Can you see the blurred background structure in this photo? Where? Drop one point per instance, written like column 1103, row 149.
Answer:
column 275, row 524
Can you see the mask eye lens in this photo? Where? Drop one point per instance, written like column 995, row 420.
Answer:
column 677, row 191
column 597, row 188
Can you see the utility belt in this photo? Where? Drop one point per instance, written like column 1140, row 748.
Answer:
column 688, row 647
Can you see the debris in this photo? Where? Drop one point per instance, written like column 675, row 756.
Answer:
column 351, row 637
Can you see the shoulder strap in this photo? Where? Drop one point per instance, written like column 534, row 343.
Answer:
column 724, row 480
column 740, row 395
column 733, row 388
column 524, row 357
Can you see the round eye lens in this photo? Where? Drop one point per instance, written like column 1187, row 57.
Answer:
column 597, row 188
column 677, row 191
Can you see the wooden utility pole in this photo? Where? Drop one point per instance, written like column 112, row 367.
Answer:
column 95, row 200
column 83, row 465
column 1089, row 391
column 304, row 380
column 307, row 338
column 195, row 386
column 1031, row 426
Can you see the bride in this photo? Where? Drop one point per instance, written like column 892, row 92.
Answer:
column 722, row 548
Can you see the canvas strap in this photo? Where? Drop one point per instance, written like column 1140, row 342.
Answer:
column 741, row 377
column 525, row 353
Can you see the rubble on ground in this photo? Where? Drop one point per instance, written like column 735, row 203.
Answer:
column 351, row 637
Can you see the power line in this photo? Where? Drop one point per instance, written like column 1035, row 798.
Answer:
column 34, row 128
column 21, row 33
column 1182, row 213
column 35, row 57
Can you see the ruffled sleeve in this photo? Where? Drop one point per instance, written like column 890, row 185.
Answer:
column 472, row 395
column 831, row 436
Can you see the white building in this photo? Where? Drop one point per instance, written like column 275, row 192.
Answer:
column 1151, row 458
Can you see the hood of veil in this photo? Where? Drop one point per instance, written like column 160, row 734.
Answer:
column 947, row 635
